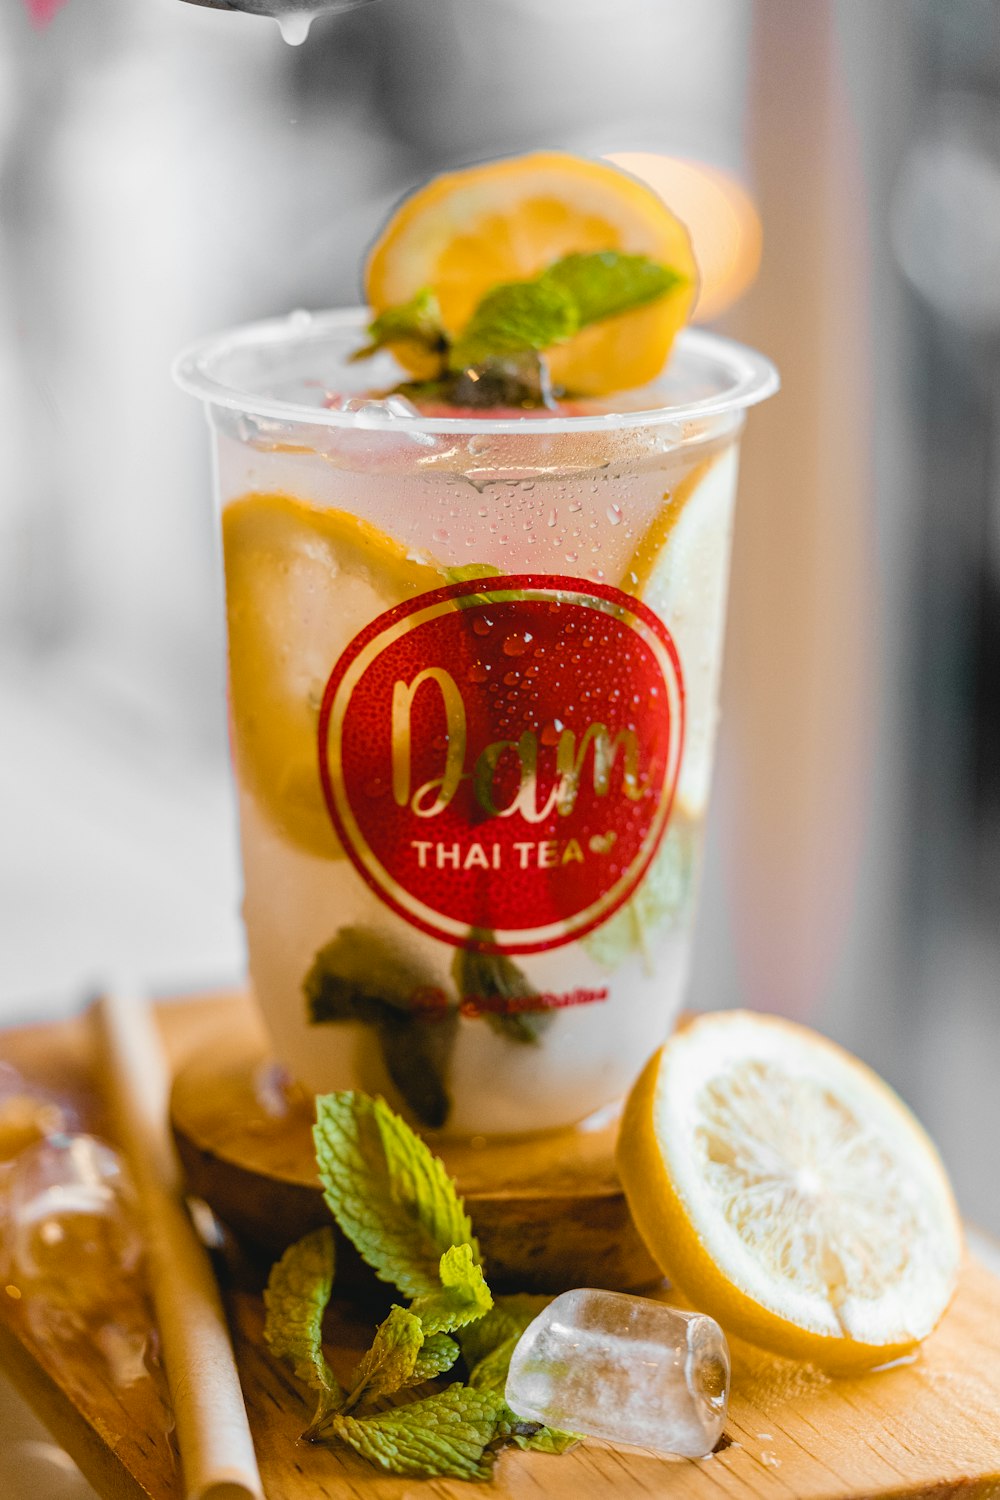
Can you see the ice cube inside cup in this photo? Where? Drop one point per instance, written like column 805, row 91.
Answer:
column 623, row 1368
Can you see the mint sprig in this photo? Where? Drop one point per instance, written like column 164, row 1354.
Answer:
column 396, row 1203
column 495, row 358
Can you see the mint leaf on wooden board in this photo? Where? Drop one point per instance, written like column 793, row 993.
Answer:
column 391, row 1196
column 463, row 1295
column 447, row 1435
column 359, row 977
column 295, row 1300
column 502, row 994
column 605, row 283
column 390, row 1362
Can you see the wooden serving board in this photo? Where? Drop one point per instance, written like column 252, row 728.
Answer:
column 931, row 1428
column 549, row 1210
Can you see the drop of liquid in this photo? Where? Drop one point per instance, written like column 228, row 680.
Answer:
column 294, row 26
column 517, row 645
column 478, row 673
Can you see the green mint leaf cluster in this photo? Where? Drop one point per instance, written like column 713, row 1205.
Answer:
column 515, row 322
column 396, row 1203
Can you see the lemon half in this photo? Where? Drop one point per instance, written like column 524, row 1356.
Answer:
column 789, row 1192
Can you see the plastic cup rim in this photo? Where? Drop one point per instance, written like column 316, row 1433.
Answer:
column 754, row 378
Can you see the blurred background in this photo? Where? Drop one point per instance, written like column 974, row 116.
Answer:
column 166, row 170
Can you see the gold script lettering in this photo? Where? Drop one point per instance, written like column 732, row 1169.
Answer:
column 441, row 788
column 569, row 764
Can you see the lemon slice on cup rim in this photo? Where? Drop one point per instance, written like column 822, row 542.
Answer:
column 466, row 232
column 789, row 1192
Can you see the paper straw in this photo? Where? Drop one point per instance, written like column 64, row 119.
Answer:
column 213, row 1433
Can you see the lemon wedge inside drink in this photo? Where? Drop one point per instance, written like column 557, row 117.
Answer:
column 300, row 583
column 789, row 1192
column 681, row 570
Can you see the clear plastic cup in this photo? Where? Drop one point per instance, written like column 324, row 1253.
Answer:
column 473, row 679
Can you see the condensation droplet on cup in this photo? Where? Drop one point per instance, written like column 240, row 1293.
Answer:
column 517, row 644
column 552, row 517
column 440, row 535
column 614, row 514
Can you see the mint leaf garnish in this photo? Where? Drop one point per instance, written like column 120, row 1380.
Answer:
column 445, row 1436
column 462, row 1297
column 515, row 317
column 391, row 1196
column 607, row 282
column 297, row 1294
column 496, row 359
column 496, row 982
column 416, row 322
column 661, row 899
column 390, row 1362
column 358, row 977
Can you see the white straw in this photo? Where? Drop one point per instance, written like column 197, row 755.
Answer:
column 213, row 1433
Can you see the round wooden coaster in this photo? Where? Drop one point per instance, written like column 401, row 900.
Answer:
column 549, row 1210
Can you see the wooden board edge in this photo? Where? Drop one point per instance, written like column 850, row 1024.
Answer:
column 97, row 1462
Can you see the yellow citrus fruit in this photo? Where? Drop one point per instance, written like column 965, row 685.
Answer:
column 681, row 570
column 466, row 232
column 300, row 583
column 789, row 1192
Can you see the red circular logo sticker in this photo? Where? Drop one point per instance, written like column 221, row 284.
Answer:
column 499, row 757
